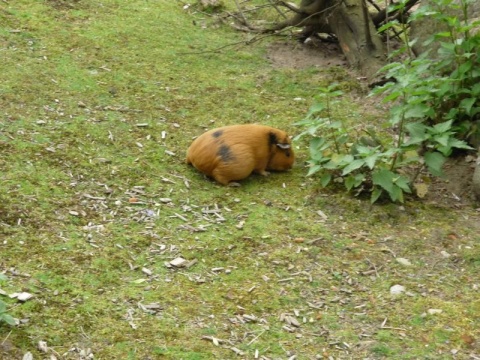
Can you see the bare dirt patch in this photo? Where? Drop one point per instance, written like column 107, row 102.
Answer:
column 64, row 4
column 9, row 351
column 455, row 189
column 314, row 52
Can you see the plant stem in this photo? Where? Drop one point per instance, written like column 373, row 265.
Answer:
column 329, row 114
column 400, row 135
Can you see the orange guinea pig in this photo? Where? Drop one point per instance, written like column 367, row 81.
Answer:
column 233, row 152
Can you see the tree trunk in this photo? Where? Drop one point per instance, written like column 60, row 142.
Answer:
column 350, row 21
column 358, row 38
column 476, row 179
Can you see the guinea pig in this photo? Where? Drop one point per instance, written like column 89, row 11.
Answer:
column 233, row 152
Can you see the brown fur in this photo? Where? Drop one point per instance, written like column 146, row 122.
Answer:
column 233, row 152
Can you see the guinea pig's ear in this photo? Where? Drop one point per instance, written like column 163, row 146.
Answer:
column 284, row 146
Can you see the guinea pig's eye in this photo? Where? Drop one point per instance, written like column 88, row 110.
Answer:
column 287, row 153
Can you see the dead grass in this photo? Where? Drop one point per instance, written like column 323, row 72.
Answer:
column 99, row 103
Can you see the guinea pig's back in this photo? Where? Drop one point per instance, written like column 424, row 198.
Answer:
column 202, row 153
column 231, row 152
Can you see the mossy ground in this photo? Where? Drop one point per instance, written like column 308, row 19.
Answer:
column 99, row 102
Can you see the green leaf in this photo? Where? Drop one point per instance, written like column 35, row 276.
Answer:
column 444, row 88
column 318, row 144
column 338, row 161
column 325, row 179
column 417, row 131
column 352, row 181
column 363, row 150
column 392, row 97
column 442, row 127
column 475, row 90
column 331, row 165
column 387, row 26
column 375, row 194
column 459, row 144
column 384, row 88
column 442, row 139
column 332, row 86
column 349, row 182
column 397, row 113
column 434, row 162
column 336, row 93
column 396, row 194
column 383, row 178
column 315, row 108
column 302, row 123
column 359, row 178
column 463, row 69
column 335, row 125
column 314, row 169
column 417, row 111
column 371, row 160
column 318, row 158
column 354, row 165
column 10, row 320
column 403, row 183
column 467, row 104
column 446, row 34
column 445, row 150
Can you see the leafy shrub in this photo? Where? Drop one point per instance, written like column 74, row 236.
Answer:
column 340, row 153
column 434, row 105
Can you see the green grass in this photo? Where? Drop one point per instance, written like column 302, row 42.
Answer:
column 77, row 78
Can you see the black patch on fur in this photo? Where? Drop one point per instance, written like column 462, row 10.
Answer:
column 225, row 153
column 217, row 134
column 272, row 139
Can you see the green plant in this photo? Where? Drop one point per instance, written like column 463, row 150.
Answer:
column 446, row 89
column 434, row 107
column 5, row 316
column 358, row 158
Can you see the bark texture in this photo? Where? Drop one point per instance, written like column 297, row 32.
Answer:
column 352, row 24
column 362, row 46
column 476, row 179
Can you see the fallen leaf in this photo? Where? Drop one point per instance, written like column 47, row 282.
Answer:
column 445, row 254
column 421, row 189
column 404, row 261
column 179, row 262
column 397, row 289
column 42, row 346
column 147, row 271
column 468, row 339
column 139, row 281
column 24, row 296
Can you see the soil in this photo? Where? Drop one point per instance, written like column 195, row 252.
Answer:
column 312, row 53
column 454, row 190
column 9, row 351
